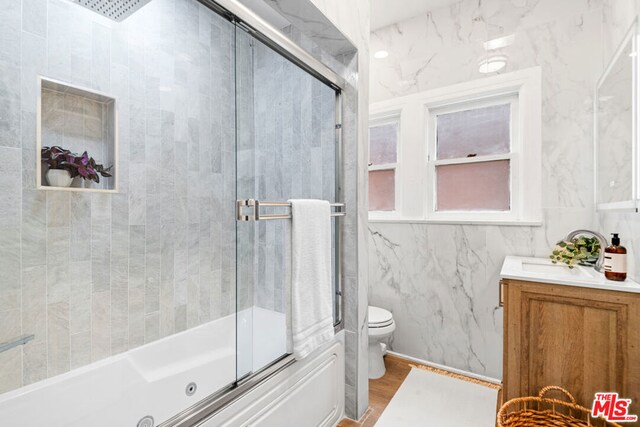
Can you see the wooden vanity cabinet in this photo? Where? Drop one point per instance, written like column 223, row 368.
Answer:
column 584, row 340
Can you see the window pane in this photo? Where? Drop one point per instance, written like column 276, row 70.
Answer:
column 383, row 141
column 473, row 186
column 382, row 190
column 480, row 131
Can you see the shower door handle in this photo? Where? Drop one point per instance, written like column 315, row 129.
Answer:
column 256, row 215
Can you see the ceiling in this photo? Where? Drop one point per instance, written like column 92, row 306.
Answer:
column 387, row 12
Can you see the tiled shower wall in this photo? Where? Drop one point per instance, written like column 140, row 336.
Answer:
column 290, row 154
column 92, row 275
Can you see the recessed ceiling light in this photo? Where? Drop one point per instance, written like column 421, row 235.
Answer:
column 492, row 63
column 381, row 54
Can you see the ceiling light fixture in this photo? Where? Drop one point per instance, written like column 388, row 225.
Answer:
column 492, row 63
column 381, row 54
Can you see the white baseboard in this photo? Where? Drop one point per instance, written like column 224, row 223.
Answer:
column 446, row 368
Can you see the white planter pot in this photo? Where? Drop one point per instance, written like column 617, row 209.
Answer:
column 59, row 178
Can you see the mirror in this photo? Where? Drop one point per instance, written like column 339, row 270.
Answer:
column 615, row 129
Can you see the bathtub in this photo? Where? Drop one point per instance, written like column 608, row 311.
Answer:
column 150, row 380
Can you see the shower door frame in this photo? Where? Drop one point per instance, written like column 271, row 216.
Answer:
column 243, row 17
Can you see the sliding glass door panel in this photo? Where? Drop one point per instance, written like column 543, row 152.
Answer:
column 286, row 149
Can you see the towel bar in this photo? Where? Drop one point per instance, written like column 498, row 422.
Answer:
column 256, row 215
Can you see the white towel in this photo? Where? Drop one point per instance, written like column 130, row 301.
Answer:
column 311, row 293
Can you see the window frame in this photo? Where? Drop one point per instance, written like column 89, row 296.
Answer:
column 512, row 155
column 415, row 186
column 386, row 118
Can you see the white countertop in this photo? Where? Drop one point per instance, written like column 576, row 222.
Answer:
column 543, row 270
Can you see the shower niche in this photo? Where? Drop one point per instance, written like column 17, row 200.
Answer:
column 77, row 143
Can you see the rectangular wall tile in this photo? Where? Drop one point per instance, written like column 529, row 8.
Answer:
column 33, row 64
column 58, row 356
column 136, row 317
column 101, row 257
column 58, row 207
column 120, row 226
column 34, row 359
column 58, row 283
column 34, row 303
column 10, row 16
column 80, row 345
column 10, row 178
column 10, row 105
column 10, row 370
column 34, row 16
column 10, row 294
column 100, row 325
column 34, row 231
column 151, row 327
column 80, row 298
column 119, row 306
column 80, row 223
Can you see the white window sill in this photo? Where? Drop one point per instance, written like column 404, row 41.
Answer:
column 515, row 223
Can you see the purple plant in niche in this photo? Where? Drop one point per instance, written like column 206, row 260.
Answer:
column 77, row 165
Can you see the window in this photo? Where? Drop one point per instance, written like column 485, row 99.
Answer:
column 383, row 164
column 467, row 153
column 470, row 156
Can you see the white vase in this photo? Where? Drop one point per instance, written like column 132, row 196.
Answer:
column 59, row 178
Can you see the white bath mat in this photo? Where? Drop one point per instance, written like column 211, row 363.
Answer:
column 429, row 399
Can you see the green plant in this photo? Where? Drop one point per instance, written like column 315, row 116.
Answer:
column 580, row 250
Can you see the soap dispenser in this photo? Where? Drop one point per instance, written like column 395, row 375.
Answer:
column 615, row 260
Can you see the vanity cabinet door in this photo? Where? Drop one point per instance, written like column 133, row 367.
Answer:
column 584, row 340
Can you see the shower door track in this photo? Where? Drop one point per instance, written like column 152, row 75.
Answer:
column 263, row 31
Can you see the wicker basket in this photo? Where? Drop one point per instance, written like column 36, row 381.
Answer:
column 542, row 411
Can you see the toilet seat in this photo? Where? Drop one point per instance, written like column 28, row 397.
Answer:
column 379, row 317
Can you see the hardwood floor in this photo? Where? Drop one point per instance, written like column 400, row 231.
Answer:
column 382, row 390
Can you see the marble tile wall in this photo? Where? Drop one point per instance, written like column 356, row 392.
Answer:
column 92, row 275
column 441, row 281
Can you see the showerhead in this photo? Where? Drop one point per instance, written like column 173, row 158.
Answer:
column 118, row 10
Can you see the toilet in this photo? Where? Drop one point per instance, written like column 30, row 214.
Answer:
column 381, row 326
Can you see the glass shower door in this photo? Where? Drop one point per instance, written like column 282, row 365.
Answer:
column 286, row 149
